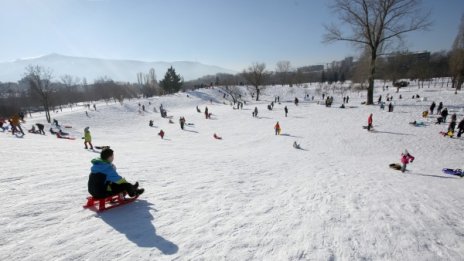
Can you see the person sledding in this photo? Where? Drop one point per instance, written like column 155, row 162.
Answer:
column 296, row 145
column 277, row 129
column 406, row 158
column 369, row 122
column 105, row 181
column 87, row 138
column 217, row 137
column 33, row 130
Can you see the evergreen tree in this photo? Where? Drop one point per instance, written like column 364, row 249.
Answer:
column 172, row 82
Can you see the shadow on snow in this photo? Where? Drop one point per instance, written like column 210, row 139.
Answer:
column 135, row 221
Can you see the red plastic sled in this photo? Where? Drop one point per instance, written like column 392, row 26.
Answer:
column 108, row 202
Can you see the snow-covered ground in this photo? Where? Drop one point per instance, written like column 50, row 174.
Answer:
column 250, row 196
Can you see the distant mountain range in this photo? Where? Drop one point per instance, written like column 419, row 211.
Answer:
column 94, row 68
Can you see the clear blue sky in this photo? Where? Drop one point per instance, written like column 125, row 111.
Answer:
column 228, row 33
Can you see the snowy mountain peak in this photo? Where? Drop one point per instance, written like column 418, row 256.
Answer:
column 94, row 68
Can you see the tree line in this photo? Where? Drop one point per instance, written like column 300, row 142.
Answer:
column 39, row 90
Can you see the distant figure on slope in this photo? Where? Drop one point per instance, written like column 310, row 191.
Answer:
column 440, row 107
column 444, row 114
column 104, row 181
column 150, row 123
column 406, row 158
column 255, row 112
column 161, row 134
column 296, row 101
column 286, row 111
column 182, row 122
column 452, row 125
column 460, row 128
column 55, row 122
column 16, row 124
column 277, row 129
column 390, row 107
column 296, row 145
column 217, row 137
column 432, row 108
column 41, row 128
column 206, row 112
column 87, row 138
column 369, row 122
column 198, row 110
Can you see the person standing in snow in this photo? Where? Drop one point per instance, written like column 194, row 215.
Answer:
column 255, row 112
column 182, row 123
column 452, row 125
column 104, row 180
column 296, row 101
column 444, row 114
column 286, row 111
column 16, row 124
column 440, row 107
column 277, row 129
column 369, row 122
column 161, row 134
column 206, row 112
column 406, row 158
column 460, row 128
column 87, row 138
column 390, row 107
column 432, row 108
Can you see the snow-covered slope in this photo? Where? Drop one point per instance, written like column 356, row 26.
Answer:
column 93, row 68
column 250, row 196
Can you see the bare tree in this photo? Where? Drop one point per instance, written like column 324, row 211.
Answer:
column 456, row 62
column 256, row 75
column 148, row 83
column 283, row 70
column 39, row 80
column 375, row 25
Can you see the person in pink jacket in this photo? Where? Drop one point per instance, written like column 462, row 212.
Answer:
column 406, row 158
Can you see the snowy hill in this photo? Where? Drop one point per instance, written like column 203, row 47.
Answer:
column 93, row 68
column 250, row 196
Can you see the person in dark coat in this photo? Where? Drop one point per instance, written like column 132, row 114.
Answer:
column 444, row 114
column 286, row 111
column 440, row 107
column 182, row 122
column 460, row 128
column 432, row 108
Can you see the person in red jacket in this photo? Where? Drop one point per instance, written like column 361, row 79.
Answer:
column 369, row 122
column 406, row 158
column 277, row 129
